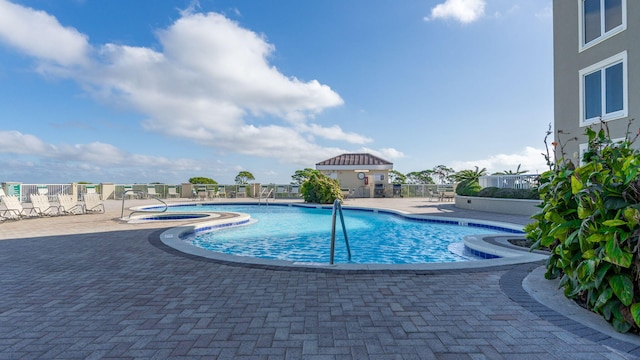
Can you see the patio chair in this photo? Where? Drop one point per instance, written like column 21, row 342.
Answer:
column 14, row 209
column 346, row 194
column 202, row 193
column 151, row 191
column 434, row 194
column 128, row 192
column 448, row 195
column 93, row 204
column 171, row 192
column 40, row 205
column 68, row 206
column 242, row 192
column 222, row 192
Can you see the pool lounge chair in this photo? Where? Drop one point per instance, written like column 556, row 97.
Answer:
column 171, row 192
column 202, row 193
column 68, row 206
column 14, row 209
column 128, row 192
column 93, row 204
column 41, row 205
column 151, row 191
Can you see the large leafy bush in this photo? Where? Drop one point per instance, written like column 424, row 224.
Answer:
column 590, row 219
column 320, row 189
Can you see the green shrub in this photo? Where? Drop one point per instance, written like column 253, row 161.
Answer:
column 590, row 219
column 320, row 189
column 468, row 188
column 487, row 192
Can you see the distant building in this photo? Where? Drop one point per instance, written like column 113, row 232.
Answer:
column 596, row 68
column 365, row 175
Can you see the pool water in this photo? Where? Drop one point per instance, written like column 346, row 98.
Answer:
column 303, row 234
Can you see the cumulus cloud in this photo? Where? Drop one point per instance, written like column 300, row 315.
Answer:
column 39, row 34
column 209, row 81
column 464, row 11
column 529, row 159
column 15, row 142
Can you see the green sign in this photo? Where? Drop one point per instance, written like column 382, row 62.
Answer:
column 13, row 189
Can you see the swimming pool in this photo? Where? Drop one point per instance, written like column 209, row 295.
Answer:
column 302, row 235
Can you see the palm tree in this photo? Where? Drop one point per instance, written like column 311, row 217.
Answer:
column 469, row 175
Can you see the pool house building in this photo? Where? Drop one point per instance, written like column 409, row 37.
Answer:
column 363, row 175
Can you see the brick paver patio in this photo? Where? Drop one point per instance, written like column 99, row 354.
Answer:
column 117, row 292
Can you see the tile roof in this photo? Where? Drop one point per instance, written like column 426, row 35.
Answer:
column 355, row 159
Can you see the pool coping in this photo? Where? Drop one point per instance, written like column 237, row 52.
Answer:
column 480, row 244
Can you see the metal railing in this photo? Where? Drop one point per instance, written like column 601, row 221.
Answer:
column 266, row 196
column 510, row 181
column 337, row 208
column 124, row 196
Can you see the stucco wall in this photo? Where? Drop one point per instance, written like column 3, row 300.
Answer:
column 503, row 206
column 568, row 61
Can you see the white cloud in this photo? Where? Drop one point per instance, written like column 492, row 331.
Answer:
column 384, row 153
column 15, row 142
column 465, row 11
column 210, row 81
column 530, row 159
column 73, row 162
column 39, row 34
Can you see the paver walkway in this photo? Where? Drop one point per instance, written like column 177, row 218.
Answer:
column 117, row 292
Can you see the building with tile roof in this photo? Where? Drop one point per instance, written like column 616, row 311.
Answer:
column 365, row 175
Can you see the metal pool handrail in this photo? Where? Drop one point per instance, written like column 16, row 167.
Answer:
column 166, row 207
column 337, row 208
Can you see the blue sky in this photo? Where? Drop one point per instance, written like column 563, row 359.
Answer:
column 160, row 91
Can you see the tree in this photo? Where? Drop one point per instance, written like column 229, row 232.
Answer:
column 443, row 174
column 509, row 172
column 469, row 175
column 300, row 176
column 396, row 177
column 420, row 177
column 320, row 189
column 468, row 181
column 202, row 180
column 243, row 177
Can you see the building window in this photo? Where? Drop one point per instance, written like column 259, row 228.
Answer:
column 603, row 90
column 600, row 19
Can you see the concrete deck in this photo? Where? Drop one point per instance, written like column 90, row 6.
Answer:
column 90, row 286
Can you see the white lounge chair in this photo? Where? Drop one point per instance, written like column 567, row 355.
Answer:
column 69, row 206
column 221, row 192
column 242, row 192
column 93, row 204
column 129, row 192
column 41, row 205
column 14, row 209
column 171, row 192
column 151, row 191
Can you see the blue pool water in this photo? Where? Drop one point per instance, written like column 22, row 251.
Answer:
column 303, row 234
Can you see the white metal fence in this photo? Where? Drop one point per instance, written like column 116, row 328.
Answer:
column 276, row 191
column 510, row 181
